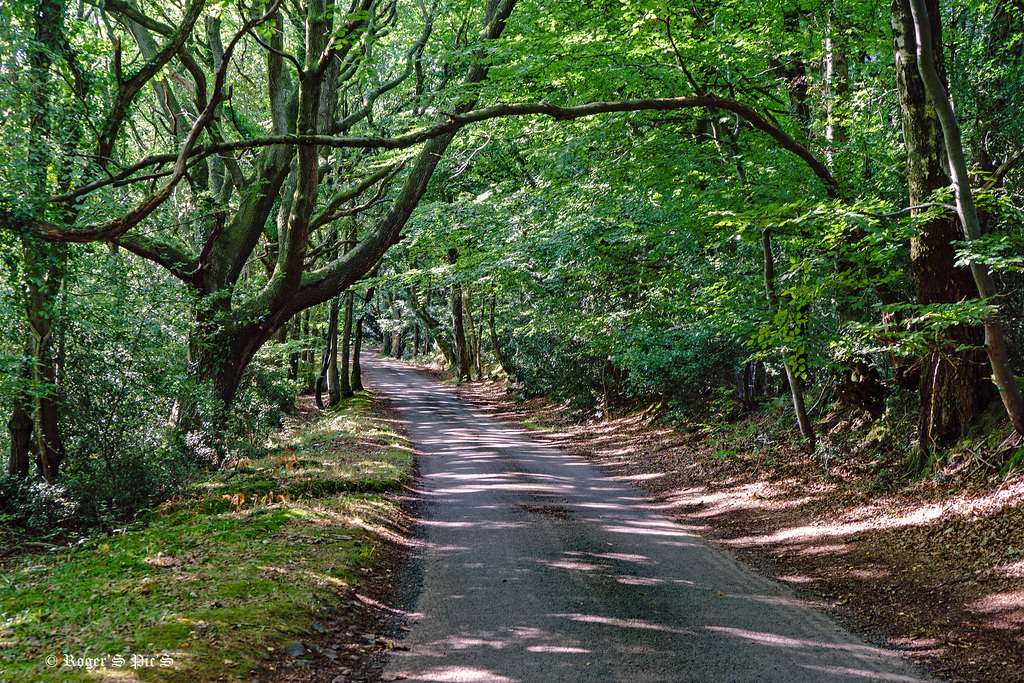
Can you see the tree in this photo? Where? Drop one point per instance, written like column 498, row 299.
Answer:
column 461, row 346
column 995, row 343
column 609, row 155
column 954, row 378
column 235, row 317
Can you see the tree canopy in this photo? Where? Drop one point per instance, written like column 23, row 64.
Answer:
column 602, row 200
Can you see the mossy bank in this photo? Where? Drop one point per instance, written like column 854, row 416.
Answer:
column 220, row 583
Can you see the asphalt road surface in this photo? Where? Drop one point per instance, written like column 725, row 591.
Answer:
column 535, row 567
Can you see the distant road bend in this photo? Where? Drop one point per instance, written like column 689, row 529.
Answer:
column 536, row 567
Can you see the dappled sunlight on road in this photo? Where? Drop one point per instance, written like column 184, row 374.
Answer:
column 847, row 672
column 775, row 640
column 536, row 567
column 623, row 623
column 551, row 649
column 622, row 557
column 574, row 564
column 462, row 674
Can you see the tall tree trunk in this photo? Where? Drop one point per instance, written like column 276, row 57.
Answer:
column 344, row 382
column 295, row 329
column 428, row 332
column 280, row 337
column 308, row 355
column 217, row 366
column 44, row 263
column 954, row 383
column 357, row 370
column 49, row 443
column 803, row 420
column 21, row 426
column 386, row 337
column 472, row 341
column 321, row 378
column 837, row 102
column 479, row 334
column 995, row 344
column 459, row 330
column 794, row 70
column 397, row 330
column 498, row 352
column 356, row 375
column 333, row 381
column 398, row 343
column 44, row 266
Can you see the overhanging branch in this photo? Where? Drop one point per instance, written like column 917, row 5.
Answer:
column 458, row 121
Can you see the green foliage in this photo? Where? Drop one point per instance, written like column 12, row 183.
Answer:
column 264, row 398
column 34, row 505
column 111, row 492
column 922, row 332
column 1001, row 251
column 621, row 253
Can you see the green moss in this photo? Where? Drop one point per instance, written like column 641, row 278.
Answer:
column 218, row 576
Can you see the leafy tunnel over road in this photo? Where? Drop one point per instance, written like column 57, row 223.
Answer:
column 533, row 566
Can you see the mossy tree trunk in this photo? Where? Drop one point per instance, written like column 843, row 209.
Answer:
column 461, row 348
column 954, row 383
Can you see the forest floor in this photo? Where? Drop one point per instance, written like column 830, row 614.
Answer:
column 932, row 567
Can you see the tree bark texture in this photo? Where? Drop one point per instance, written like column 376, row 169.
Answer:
column 459, row 330
column 995, row 343
column 344, row 381
column 954, row 384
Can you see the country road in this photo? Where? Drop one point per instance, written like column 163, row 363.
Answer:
column 534, row 567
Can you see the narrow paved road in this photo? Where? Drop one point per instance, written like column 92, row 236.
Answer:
column 536, row 567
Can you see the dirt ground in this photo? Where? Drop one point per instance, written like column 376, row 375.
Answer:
column 933, row 568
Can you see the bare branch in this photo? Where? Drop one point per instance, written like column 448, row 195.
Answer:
column 410, row 62
column 128, row 90
column 116, row 227
column 378, row 196
column 329, row 212
column 1004, row 168
column 129, row 12
column 455, row 123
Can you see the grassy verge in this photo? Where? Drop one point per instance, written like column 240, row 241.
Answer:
column 215, row 584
